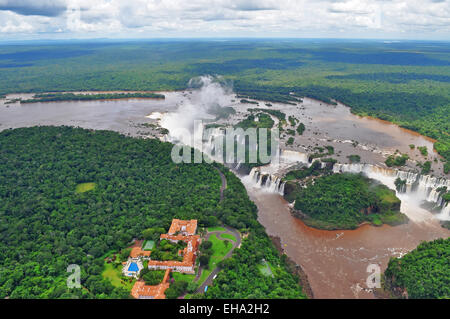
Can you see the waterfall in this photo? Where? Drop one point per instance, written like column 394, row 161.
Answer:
column 282, row 188
column 268, row 182
column 293, row 156
column 422, row 187
column 445, row 213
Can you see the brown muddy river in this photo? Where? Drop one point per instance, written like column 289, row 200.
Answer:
column 338, row 127
column 116, row 115
column 334, row 261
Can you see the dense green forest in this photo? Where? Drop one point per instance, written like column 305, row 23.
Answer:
column 242, row 271
column 421, row 273
column 405, row 82
column 344, row 201
column 74, row 196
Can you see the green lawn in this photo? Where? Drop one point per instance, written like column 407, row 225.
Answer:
column 219, row 249
column 184, row 277
column 84, row 187
column 113, row 273
column 228, row 236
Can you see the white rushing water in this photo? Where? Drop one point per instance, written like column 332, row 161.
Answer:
column 267, row 182
column 269, row 177
column 183, row 128
column 418, row 188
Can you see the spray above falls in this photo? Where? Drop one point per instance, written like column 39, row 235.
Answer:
column 207, row 95
column 417, row 189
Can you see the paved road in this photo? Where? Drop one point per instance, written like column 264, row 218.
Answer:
column 224, row 183
column 228, row 230
column 237, row 243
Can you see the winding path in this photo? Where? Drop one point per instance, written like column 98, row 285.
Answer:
column 224, row 183
column 228, row 230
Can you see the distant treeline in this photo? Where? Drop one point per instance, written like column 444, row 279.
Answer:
column 406, row 83
column 51, row 97
column 428, row 114
column 392, row 77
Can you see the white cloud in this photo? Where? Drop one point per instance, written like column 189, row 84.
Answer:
column 49, row 8
column 14, row 24
column 193, row 18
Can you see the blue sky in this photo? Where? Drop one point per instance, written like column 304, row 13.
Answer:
column 71, row 19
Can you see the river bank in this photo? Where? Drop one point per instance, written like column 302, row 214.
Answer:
column 295, row 269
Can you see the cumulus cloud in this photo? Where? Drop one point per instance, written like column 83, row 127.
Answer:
column 252, row 5
column 14, row 24
column 49, row 8
column 223, row 18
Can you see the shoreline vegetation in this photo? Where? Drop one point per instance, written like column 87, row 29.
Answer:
column 345, row 201
column 295, row 268
column 422, row 273
column 63, row 97
column 69, row 96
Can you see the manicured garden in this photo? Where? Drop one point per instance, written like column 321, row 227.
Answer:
column 113, row 273
column 219, row 249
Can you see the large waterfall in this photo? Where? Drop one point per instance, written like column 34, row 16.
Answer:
column 267, row 177
column 418, row 187
column 422, row 187
column 268, row 182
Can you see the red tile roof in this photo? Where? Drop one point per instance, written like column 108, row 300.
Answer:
column 137, row 251
column 188, row 254
column 188, row 229
column 140, row 289
column 178, row 225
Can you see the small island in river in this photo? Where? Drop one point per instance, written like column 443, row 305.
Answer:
column 52, row 97
column 345, row 201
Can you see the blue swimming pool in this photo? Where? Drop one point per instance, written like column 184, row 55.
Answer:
column 133, row 267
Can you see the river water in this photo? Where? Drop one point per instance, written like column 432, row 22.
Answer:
column 116, row 115
column 334, row 261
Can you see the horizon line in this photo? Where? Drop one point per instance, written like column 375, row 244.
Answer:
column 107, row 39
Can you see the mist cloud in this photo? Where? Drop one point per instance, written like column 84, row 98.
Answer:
column 208, row 94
